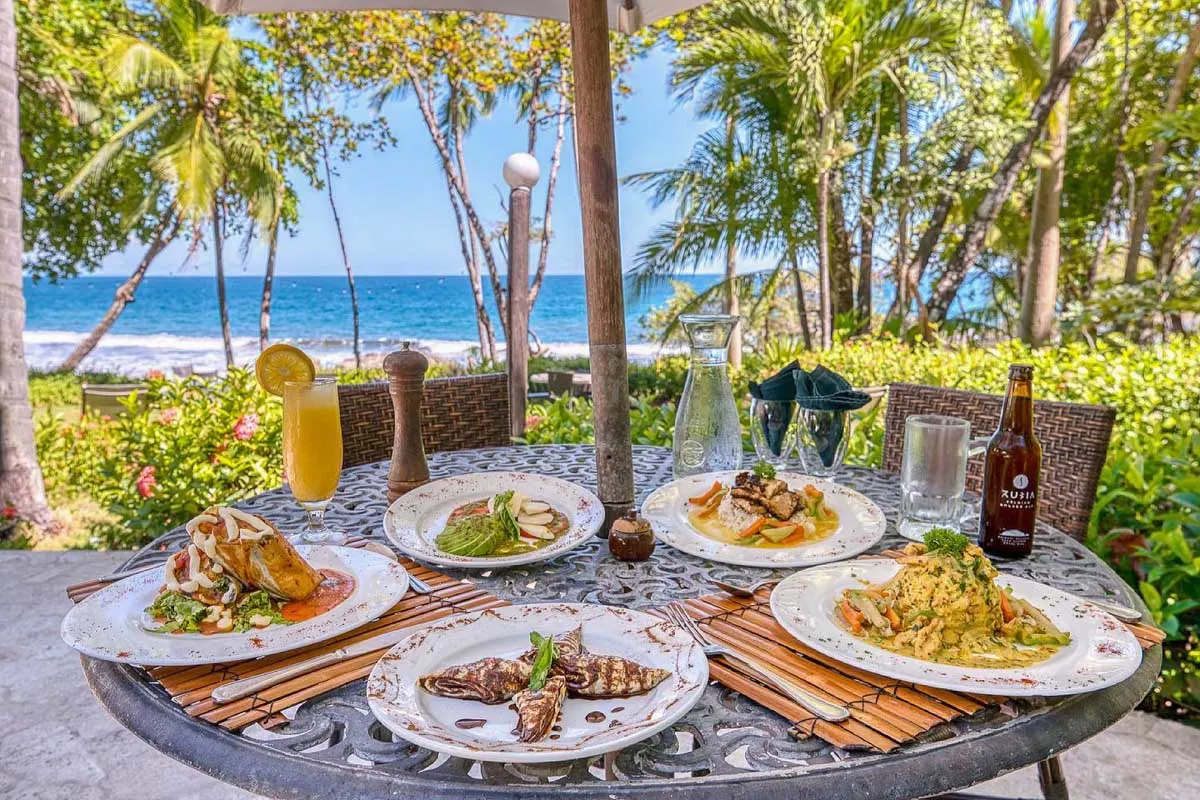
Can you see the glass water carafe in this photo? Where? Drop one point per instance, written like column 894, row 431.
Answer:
column 708, row 432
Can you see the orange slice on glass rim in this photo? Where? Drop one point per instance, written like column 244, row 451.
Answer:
column 281, row 363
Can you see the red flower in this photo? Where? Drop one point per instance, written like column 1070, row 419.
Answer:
column 155, row 374
column 246, row 426
column 9, row 511
column 146, row 481
column 169, row 416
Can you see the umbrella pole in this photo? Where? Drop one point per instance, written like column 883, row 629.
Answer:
column 596, row 154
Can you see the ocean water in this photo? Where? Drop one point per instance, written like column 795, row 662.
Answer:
column 173, row 320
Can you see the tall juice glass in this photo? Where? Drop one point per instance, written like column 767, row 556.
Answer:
column 312, row 451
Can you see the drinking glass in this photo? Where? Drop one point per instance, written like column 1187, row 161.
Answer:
column 773, row 429
column 933, row 475
column 823, row 437
column 312, row 452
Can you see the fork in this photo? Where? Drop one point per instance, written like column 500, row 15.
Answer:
column 830, row 712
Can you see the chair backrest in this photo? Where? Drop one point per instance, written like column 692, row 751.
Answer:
column 560, row 383
column 1074, row 441
column 456, row 414
column 106, row 398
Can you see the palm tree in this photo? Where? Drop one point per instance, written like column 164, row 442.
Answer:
column 799, row 63
column 711, row 192
column 195, row 94
column 21, row 484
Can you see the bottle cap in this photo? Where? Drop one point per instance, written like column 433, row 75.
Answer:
column 1020, row 371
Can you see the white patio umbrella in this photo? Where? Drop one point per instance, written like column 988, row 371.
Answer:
column 595, row 149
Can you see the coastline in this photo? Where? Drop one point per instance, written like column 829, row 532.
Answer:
column 136, row 354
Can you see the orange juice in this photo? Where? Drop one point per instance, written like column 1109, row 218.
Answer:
column 312, row 439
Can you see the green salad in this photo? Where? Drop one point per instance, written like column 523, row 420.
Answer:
column 182, row 614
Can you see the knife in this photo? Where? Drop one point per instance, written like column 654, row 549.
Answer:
column 248, row 686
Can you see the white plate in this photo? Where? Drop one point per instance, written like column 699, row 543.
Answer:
column 108, row 625
column 428, row 721
column 413, row 522
column 1102, row 651
column 860, row 524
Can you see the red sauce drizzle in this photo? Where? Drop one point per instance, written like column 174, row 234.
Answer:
column 336, row 587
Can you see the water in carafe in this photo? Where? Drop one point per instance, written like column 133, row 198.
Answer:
column 708, row 432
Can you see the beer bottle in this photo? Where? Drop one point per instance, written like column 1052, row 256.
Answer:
column 1012, row 468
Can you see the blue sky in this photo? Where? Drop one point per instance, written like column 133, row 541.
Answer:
column 395, row 208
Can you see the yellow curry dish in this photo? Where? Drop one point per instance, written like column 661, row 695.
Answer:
column 760, row 510
column 944, row 606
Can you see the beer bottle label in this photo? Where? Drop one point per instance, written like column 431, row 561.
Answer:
column 1020, row 495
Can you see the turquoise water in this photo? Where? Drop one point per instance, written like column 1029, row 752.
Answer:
column 174, row 321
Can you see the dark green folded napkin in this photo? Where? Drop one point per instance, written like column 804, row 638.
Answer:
column 779, row 388
column 825, row 390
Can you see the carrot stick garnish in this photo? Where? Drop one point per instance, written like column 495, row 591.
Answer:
column 712, row 505
column 701, row 499
column 852, row 616
column 1005, row 608
column 892, row 617
column 753, row 528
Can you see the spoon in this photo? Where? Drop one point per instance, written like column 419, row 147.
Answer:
column 743, row 591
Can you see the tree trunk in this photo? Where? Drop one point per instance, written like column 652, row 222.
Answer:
column 1121, row 170
column 551, row 185
column 483, row 322
column 868, row 208
column 21, row 484
column 337, row 224
column 167, row 227
column 801, row 305
column 473, row 230
column 732, row 296
column 902, row 299
column 222, row 302
column 1040, row 292
column 841, row 274
column 264, row 309
column 1140, row 219
column 1168, row 252
column 989, row 207
column 825, row 288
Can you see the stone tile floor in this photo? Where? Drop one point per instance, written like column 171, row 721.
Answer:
column 57, row 743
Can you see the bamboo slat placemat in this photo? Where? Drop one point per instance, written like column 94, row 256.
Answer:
column 884, row 713
column 191, row 687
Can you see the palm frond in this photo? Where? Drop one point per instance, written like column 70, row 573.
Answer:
column 136, row 65
column 193, row 162
column 103, row 158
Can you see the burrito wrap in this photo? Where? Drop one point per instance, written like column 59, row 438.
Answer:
column 267, row 562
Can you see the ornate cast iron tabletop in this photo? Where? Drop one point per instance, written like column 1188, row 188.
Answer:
column 726, row 747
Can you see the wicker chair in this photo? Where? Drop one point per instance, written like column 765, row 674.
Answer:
column 1074, row 441
column 456, row 414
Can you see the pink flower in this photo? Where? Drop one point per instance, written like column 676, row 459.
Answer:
column 169, row 416
column 532, row 421
column 246, row 426
column 146, row 481
column 155, row 374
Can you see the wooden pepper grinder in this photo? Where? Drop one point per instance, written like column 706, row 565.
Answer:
column 405, row 369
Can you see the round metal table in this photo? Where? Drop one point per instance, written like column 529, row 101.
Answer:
column 727, row 747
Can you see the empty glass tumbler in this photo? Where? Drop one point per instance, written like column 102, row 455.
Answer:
column 773, row 429
column 708, row 431
column 933, row 474
column 822, row 438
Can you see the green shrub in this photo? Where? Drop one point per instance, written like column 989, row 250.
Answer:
column 191, row 444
